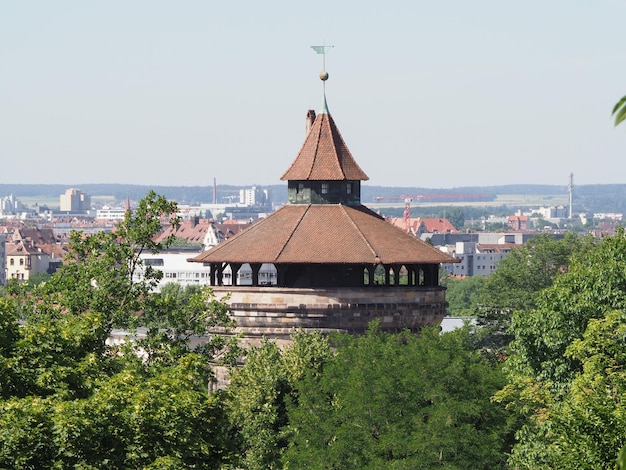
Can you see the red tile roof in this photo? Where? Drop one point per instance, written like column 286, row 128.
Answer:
column 191, row 231
column 194, row 232
column 36, row 235
column 19, row 248
column 324, row 156
column 326, row 234
column 425, row 224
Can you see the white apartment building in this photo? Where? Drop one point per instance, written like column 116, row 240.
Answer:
column 11, row 205
column 111, row 214
column 177, row 269
column 254, row 196
column 477, row 259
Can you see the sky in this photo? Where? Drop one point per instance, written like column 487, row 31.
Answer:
column 427, row 94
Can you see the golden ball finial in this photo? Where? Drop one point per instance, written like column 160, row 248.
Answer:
column 323, row 75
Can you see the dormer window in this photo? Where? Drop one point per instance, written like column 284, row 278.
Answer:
column 325, row 188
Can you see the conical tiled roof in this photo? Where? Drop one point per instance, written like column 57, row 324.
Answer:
column 324, row 156
column 324, row 233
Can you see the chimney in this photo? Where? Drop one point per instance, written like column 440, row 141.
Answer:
column 310, row 117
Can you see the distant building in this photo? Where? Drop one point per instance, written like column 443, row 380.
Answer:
column 74, row 200
column 477, row 259
column 518, row 222
column 420, row 225
column 24, row 261
column 552, row 212
column 3, row 258
column 480, row 252
column 254, row 197
column 176, row 269
column 202, row 232
column 9, row 205
column 44, row 244
column 608, row 215
column 111, row 213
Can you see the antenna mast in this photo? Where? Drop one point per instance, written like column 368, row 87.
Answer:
column 571, row 192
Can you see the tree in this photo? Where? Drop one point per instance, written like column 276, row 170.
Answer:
column 560, row 371
column 463, row 295
column 584, row 429
column 104, row 272
column 399, row 401
column 455, row 216
column 70, row 400
column 619, row 111
column 518, row 279
column 259, row 391
column 183, row 242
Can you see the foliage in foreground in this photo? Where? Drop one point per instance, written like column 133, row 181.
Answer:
column 378, row 401
column 68, row 399
column 566, row 368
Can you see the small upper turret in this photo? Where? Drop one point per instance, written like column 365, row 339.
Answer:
column 324, row 172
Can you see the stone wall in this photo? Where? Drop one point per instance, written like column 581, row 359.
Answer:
column 276, row 312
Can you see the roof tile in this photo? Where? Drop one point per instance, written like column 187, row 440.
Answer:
column 327, row 234
column 324, row 156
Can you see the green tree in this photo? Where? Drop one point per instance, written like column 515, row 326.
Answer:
column 556, row 349
column 39, row 278
column 70, row 400
column 259, row 392
column 399, row 401
column 585, row 428
column 183, row 242
column 104, row 272
column 519, row 278
column 455, row 216
column 463, row 295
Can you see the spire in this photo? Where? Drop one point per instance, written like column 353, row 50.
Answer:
column 324, row 106
column 323, row 74
column 324, row 156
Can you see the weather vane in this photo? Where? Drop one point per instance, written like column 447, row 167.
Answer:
column 322, row 50
column 323, row 74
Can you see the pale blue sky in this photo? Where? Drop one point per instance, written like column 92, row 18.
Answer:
column 426, row 93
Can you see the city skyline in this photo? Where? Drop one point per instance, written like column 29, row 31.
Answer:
column 426, row 95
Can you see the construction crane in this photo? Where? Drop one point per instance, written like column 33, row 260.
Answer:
column 408, row 199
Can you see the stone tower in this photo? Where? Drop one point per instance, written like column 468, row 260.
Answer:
column 339, row 265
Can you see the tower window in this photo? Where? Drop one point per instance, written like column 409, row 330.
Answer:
column 349, row 188
column 300, row 188
column 325, row 188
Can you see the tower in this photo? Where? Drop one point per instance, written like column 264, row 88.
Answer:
column 339, row 265
column 570, row 188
